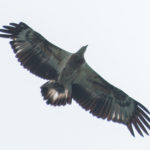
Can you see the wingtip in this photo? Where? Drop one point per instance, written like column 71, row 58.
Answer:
column 143, row 107
column 13, row 24
column 5, row 36
column 131, row 129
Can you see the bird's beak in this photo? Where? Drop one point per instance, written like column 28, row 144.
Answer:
column 86, row 46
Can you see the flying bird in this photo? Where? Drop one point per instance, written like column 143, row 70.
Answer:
column 70, row 77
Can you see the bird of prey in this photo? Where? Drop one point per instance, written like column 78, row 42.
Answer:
column 70, row 77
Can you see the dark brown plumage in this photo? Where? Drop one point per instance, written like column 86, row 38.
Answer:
column 71, row 77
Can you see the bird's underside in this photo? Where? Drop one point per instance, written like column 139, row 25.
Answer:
column 70, row 77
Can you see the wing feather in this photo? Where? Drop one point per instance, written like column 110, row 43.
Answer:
column 105, row 101
column 35, row 53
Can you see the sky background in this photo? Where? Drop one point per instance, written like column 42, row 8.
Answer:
column 118, row 35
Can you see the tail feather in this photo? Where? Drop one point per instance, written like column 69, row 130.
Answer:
column 55, row 94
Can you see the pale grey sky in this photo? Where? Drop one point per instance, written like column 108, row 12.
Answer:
column 118, row 35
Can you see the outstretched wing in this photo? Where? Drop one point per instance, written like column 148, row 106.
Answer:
column 103, row 100
column 34, row 52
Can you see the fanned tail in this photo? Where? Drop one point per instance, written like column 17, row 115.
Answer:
column 55, row 93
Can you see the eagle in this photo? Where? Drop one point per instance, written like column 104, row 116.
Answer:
column 70, row 77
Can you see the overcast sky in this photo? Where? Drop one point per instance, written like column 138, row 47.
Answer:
column 118, row 35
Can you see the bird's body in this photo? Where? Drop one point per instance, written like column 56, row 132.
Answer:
column 70, row 77
column 72, row 67
column 59, row 91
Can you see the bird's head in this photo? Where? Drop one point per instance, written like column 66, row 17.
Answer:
column 82, row 50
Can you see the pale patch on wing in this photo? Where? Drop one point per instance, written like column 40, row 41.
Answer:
column 118, row 116
column 113, row 116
